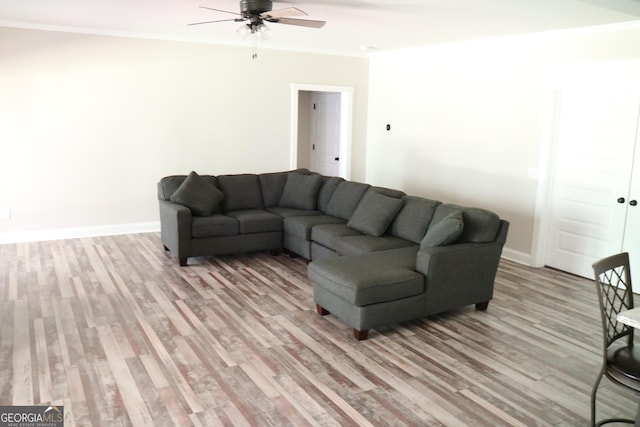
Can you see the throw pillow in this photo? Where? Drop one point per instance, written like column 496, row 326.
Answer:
column 199, row 195
column 444, row 232
column 301, row 191
column 374, row 213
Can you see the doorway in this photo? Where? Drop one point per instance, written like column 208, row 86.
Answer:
column 321, row 126
column 590, row 206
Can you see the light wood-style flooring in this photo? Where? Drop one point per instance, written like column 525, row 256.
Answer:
column 113, row 329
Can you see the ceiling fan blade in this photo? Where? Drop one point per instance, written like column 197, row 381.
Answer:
column 299, row 22
column 220, row 20
column 288, row 11
column 219, row 10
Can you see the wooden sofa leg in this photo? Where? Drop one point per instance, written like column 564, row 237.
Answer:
column 183, row 262
column 321, row 311
column 360, row 335
column 482, row 306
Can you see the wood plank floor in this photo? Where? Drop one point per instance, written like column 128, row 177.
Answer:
column 113, row 329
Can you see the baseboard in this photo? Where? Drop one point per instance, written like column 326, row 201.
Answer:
column 517, row 256
column 148, row 227
column 74, row 233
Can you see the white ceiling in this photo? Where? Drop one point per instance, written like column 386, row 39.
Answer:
column 382, row 24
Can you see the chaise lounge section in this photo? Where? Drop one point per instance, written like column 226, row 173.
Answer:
column 377, row 256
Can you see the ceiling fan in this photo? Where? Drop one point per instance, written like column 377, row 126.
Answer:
column 255, row 12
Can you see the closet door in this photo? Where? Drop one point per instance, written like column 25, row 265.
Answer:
column 631, row 239
column 595, row 145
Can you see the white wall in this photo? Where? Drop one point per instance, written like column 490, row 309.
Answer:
column 468, row 119
column 89, row 124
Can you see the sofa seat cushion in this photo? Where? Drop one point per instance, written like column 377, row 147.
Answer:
column 356, row 245
column 301, row 226
column 328, row 234
column 256, row 221
column 214, row 226
column 369, row 279
column 287, row 212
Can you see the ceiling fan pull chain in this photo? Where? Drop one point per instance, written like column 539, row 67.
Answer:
column 254, row 41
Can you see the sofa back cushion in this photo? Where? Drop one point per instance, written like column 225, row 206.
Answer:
column 397, row 194
column 271, row 186
column 240, row 192
column 445, row 231
column 169, row 184
column 345, row 199
column 480, row 225
column 414, row 218
column 301, row 191
column 329, row 185
column 374, row 213
column 199, row 195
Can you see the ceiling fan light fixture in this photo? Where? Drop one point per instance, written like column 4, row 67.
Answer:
column 264, row 31
column 244, row 30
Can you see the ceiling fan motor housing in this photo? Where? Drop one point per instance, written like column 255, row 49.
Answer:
column 250, row 8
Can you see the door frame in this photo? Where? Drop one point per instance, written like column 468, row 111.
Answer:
column 346, row 123
column 569, row 76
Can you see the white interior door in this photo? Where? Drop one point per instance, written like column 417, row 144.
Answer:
column 631, row 240
column 596, row 136
column 325, row 133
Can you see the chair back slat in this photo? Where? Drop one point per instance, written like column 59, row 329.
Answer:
column 615, row 294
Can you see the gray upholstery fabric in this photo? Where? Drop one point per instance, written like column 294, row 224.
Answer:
column 374, row 213
column 169, row 184
column 240, row 192
column 397, row 194
column 329, row 185
column 414, row 217
column 356, row 245
column 238, row 243
column 322, row 252
column 444, row 232
column 370, row 316
column 301, row 191
column 345, row 199
column 256, row 221
column 297, row 245
column 301, row 226
column 287, row 212
column 213, row 226
column 480, row 225
column 328, row 234
column 271, row 186
column 199, row 195
column 360, row 280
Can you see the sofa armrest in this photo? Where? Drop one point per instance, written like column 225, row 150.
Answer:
column 175, row 228
column 458, row 274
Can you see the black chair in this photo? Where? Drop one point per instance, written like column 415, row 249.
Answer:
column 621, row 360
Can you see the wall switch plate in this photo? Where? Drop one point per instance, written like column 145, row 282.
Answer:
column 5, row 213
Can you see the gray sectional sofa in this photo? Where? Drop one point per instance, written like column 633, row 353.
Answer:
column 377, row 256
